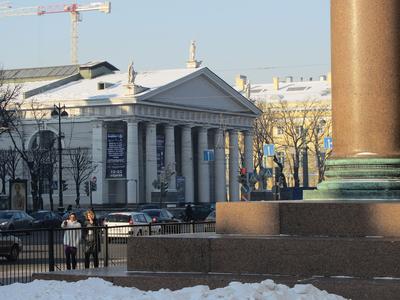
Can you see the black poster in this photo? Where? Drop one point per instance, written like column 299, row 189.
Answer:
column 116, row 155
column 160, row 152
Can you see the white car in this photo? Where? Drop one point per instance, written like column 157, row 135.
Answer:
column 124, row 224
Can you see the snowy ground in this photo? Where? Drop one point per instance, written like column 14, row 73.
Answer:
column 98, row 289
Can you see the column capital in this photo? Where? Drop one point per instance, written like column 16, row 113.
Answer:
column 131, row 120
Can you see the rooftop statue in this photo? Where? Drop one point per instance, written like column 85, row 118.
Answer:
column 131, row 74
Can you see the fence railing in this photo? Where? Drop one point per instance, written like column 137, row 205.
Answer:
column 24, row 252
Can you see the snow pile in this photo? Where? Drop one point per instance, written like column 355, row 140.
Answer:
column 98, row 289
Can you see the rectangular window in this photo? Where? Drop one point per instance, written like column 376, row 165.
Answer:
column 279, row 130
column 299, row 130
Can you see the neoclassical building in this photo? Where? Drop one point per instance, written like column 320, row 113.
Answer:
column 137, row 124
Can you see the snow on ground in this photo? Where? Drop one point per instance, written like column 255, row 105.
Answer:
column 98, row 289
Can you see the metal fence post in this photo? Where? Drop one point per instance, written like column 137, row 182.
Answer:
column 106, row 247
column 150, row 233
column 51, row 249
column 192, row 227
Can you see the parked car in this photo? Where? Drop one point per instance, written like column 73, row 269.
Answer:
column 10, row 246
column 161, row 215
column 124, row 219
column 15, row 219
column 211, row 217
column 46, row 219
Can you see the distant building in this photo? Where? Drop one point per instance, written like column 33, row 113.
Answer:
column 294, row 93
column 138, row 124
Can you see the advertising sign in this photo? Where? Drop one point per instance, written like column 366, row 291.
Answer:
column 160, row 143
column 18, row 194
column 116, row 155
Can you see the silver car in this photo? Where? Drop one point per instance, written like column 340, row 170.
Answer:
column 124, row 224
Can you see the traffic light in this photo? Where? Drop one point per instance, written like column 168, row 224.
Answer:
column 64, row 185
column 164, row 187
column 87, row 188
column 93, row 186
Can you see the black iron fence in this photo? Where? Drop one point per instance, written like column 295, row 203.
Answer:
column 24, row 252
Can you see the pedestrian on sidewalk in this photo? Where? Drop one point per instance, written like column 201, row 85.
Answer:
column 72, row 238
column 92, row 239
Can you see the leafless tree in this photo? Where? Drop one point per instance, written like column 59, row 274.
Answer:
column 321, row 127
column 13, row 159
column 298, row 122
column 8, row 95
column 264, row 134
column 3, row 170
column 35, row 157
column 81, row 167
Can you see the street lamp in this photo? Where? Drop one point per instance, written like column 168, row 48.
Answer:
column 60, row 112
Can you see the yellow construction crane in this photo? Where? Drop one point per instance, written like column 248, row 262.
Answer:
column 74, row 9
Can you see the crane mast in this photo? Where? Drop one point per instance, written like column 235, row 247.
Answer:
column 74, row 9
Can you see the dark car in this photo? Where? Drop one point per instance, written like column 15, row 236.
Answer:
column 10, row 246
column 46, row 219
column 15, row 219
column 161, row 215
column 199, row 212
column 211, row 217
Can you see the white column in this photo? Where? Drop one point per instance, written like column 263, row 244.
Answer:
column 132, row 172
column 233, row 165
column 248, row 151
column 151, row 159
column 99, row 140
column 187, row 163
column 204, row 167
column 170, row 161
column 220, row 180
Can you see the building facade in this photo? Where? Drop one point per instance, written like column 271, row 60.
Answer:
column 139, row 126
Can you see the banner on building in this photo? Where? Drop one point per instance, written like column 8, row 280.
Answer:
column 116, row 152
column 180, row 189
column 160, row 143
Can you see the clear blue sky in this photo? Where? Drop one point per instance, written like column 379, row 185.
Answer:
column 232, row 36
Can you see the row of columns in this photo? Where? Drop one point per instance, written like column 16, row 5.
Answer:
column 187, row 166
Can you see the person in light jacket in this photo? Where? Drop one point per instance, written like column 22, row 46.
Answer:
column 72, row 238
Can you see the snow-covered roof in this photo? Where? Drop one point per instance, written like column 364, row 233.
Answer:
column 292, row 91
column 86, row 89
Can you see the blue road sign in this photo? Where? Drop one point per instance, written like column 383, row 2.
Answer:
column 208, row 155
column 328, row 143
column 268, row 172
column 269, row 149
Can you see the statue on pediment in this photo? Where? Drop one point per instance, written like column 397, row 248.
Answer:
column 131, row 74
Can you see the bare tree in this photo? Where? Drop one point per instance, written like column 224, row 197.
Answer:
column 3, row 170
column 296, row 122
column 37, row 155
column 264, row 134
column 8, row 95
column 13, row 159
column 320, row 127
column 81, row 167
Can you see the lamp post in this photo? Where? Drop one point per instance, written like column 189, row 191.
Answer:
column 60, row 112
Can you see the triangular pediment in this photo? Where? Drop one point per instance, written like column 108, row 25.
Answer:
column 202, row 90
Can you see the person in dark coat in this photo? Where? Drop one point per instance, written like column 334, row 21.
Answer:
column 92, row 239
column 188, row 213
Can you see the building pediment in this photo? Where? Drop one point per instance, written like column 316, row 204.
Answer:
column 201, row 90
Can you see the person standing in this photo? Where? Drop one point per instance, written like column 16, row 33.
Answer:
column 92, row 239
column 72, row 238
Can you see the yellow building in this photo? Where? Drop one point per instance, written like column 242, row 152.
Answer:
column 296, row 119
